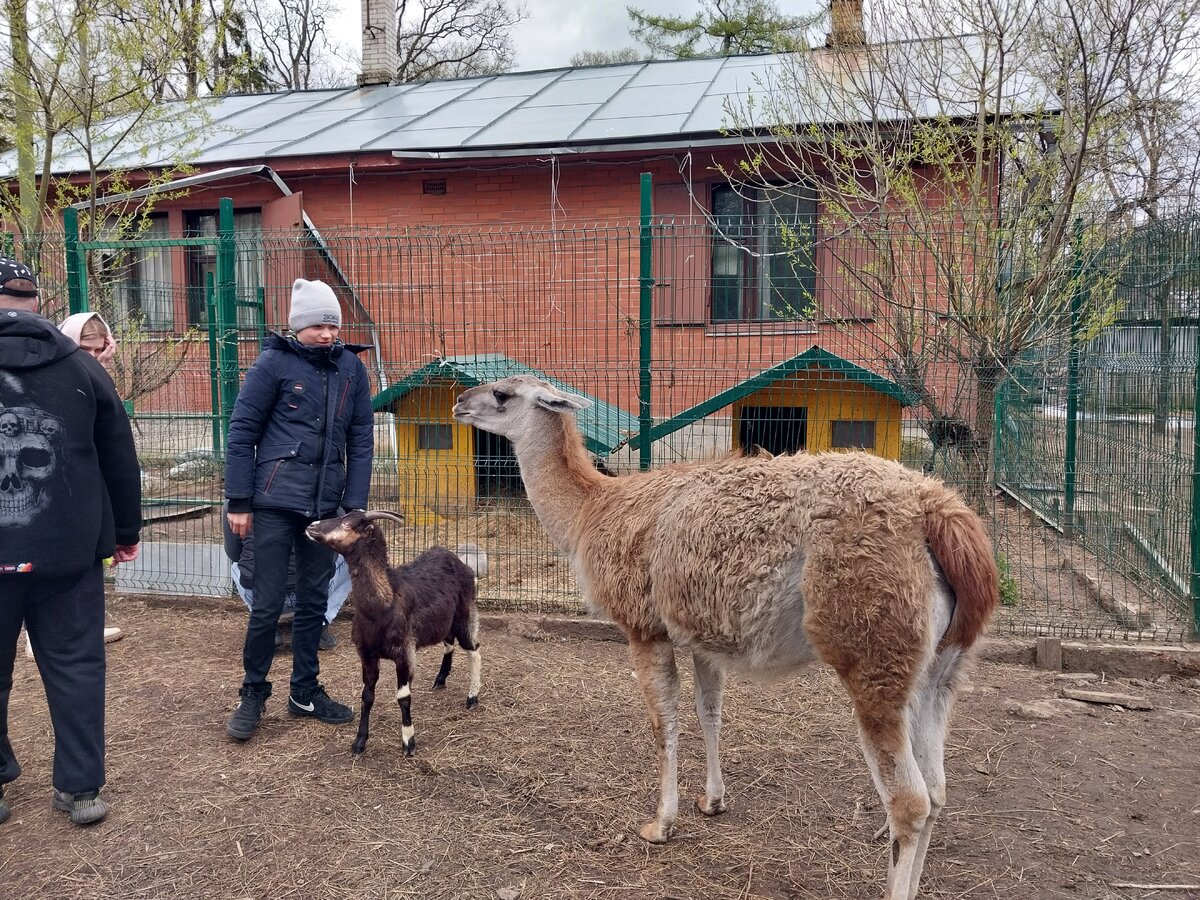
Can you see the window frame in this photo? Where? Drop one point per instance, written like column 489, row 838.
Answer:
column 747, row 242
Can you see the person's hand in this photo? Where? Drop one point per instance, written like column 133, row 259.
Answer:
column 239, row 523
column 125, row 553
column 109, row 351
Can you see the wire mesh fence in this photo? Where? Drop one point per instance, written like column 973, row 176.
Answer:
column 693, row 338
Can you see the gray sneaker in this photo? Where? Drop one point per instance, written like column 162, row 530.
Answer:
column 328, row 639
column 85, row 807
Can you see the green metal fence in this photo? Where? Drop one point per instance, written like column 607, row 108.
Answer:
column 1088, row 480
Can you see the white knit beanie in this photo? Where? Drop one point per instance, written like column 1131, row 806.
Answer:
column 313, row 303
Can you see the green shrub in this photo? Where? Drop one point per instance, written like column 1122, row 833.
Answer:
column 1010, row 594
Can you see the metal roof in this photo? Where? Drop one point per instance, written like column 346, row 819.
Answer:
column 602, row 425
column 815, row 357
column 668, row 102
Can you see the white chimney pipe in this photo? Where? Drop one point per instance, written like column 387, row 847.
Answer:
column 379, row 56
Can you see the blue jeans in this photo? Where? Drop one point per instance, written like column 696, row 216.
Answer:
column 277, row 533
column 339, row 590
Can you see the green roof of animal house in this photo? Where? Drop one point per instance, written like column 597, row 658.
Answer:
column 813, row 358
column 603, row 425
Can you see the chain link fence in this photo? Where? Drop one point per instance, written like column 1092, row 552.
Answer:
column 737, row 332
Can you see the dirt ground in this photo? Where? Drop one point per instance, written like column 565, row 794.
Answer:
column 538, row 792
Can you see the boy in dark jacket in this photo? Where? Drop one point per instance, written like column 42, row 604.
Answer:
column 301, row 440
column 70, row 495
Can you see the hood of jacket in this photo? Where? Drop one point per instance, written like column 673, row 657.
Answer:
column 30, row 341
column 276, row 341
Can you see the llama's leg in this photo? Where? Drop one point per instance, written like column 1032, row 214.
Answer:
column 447, row 661
column 883, row 732
column 654, row 662
column 370, row 675
column 710, row 685
column 935, row 699
column 404, row 672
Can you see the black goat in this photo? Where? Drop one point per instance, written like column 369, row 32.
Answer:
column 399, row 610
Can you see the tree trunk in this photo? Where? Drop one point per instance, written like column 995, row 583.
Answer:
column 978, row 454
column 30, row 218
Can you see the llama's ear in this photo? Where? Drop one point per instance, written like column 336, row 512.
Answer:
column 561, row 402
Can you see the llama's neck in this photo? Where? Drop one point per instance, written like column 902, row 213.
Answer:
column 559, row 477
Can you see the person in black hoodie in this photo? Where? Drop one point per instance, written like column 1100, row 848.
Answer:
column 301, row 441
column 68, row 467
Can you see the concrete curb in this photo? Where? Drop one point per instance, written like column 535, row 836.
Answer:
column 1114, row 660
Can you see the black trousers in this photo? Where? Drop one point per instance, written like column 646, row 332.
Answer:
column 276, row 533
column 66, row 627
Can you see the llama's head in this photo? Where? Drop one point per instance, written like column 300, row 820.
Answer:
column 514, row 406
column 341, row 533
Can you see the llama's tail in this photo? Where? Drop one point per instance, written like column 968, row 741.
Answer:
column 961, row 546
column 474, row 557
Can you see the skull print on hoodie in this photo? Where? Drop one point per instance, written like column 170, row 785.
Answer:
column 69, row 479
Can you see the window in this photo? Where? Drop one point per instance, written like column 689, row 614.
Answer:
column 435, row 437
column 853, row 435
column 776, row 429
column 141, row 278
column 249, row 272
column 763, row 256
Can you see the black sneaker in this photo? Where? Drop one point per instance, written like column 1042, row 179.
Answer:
column 319, row 706
column 246, row 717
column 328, row 639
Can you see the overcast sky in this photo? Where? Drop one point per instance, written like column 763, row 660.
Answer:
column 556, row 29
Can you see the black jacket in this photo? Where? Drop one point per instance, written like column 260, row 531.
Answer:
column 301, row 436
column 70, row 485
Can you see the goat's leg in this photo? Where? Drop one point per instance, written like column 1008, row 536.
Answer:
column 710, row 685
column 404, row 670
column 654, row 662
column 883, row 733
column 468, row 639
column 370, row 675
column 447, row 661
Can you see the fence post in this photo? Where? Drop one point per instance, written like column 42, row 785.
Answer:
column 214, row 370
column 645, row 325
column 227, row 340
column 1194, row 530
column 77, row 300
column 1069, row 473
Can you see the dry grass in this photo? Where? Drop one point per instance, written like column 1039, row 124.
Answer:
column 540, row 790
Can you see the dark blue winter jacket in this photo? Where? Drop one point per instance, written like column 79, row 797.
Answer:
column 301, row 435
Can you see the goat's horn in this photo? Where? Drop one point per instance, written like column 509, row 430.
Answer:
column 383, row 514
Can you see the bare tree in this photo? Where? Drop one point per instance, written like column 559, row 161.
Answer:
column 955, row 176
column 609, row 57
column 452, row 38
column 294, row 40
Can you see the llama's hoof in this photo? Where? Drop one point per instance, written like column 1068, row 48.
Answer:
column 439, row 685
column 358, row 748
column 472, row 702
column 710, row 809
column 654, row 833
column 411, row 747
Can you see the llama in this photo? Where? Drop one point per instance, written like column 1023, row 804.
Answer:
column 762, row 565
column 397, row 611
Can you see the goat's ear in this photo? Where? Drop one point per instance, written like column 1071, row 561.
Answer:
column 560, row 403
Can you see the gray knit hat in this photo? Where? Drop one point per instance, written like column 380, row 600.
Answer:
column 313, row 303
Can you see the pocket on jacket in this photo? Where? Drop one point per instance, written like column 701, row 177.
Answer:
column 270, row 459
